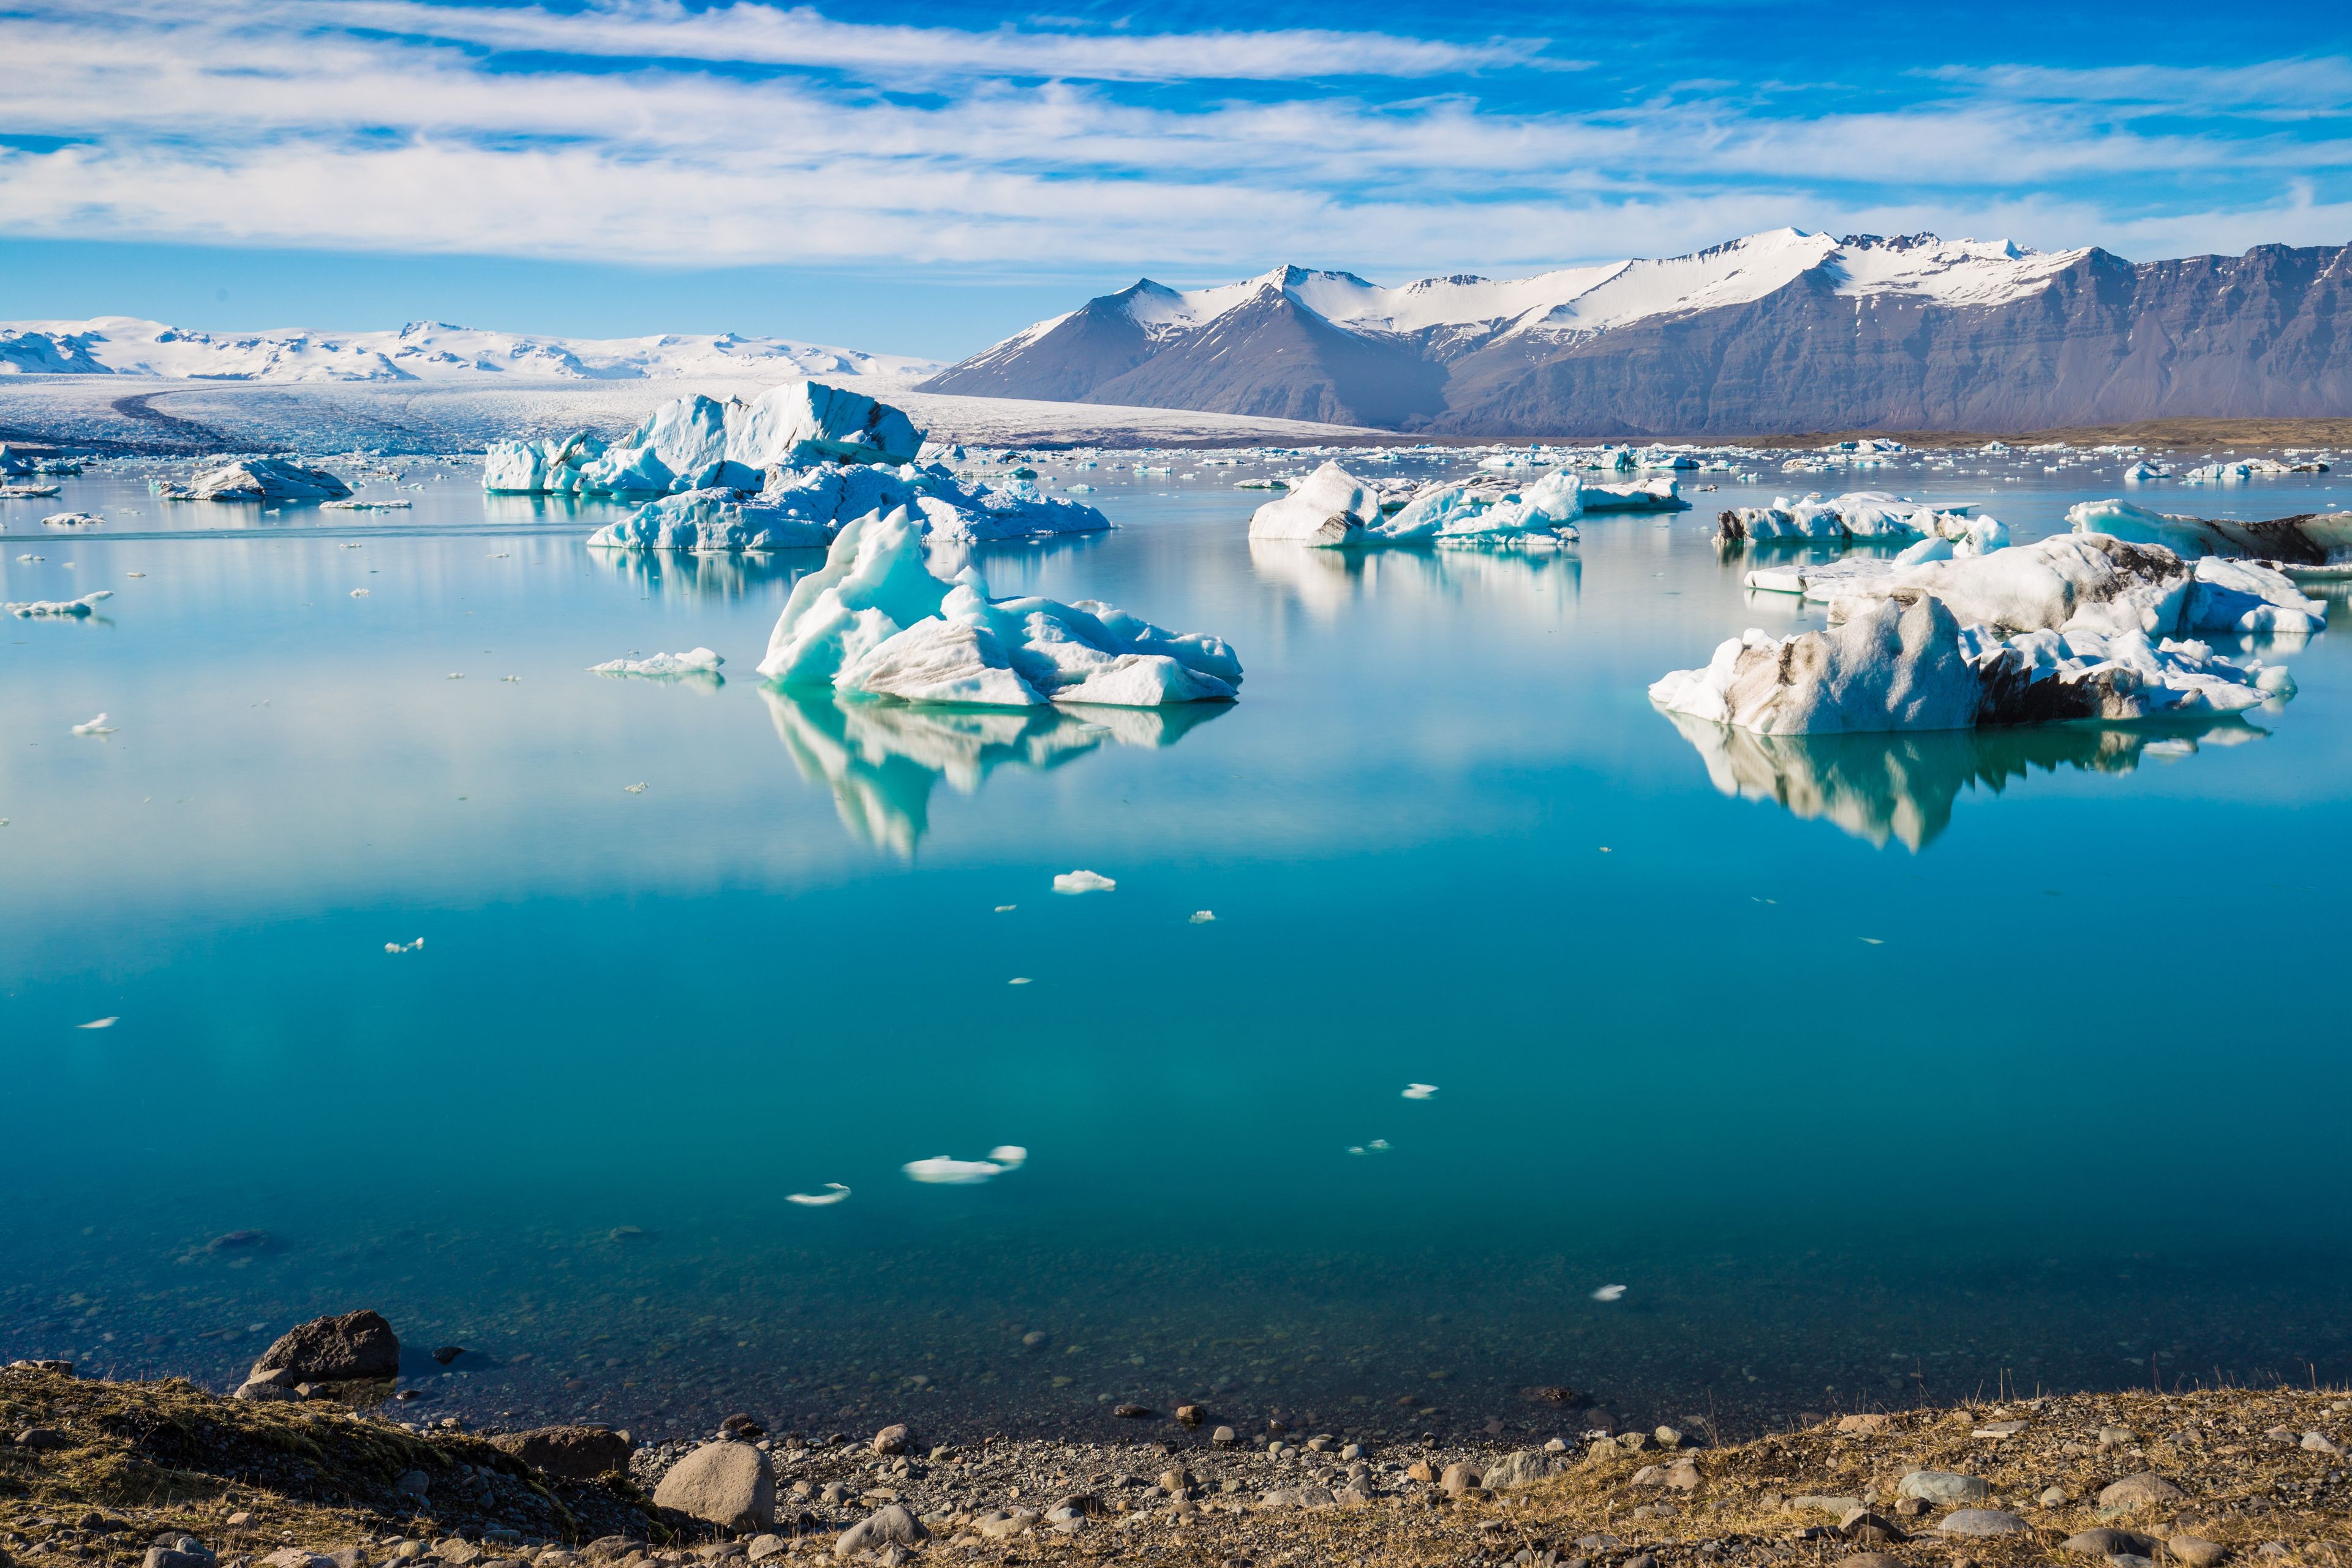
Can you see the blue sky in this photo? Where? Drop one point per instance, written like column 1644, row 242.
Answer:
column 924, row 180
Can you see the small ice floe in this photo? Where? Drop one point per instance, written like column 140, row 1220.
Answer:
column 1203, row 917
column 1018, row 980
column 365, row 505
column 72, row 519
column 699, row 661
column 1082, row 882
column 348, row 545
column 134, row 574
column 73, row 608
column 639, row 788
column 1874, row 941
column 944, row 1170
column 1377, row 1146
column 404, row 946
column 359, row 593
column 834, row 1192
column 1419, row 1090
column 99, row 1024
column 98, row 726
column 258, row 478
column 1609, row 1293
column 454, row 675
column 511, row 678
column 1007, row 909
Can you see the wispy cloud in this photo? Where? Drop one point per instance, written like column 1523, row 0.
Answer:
column 642, row 131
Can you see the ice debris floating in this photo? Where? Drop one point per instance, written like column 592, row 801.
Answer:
column 874, row 619
column 1609, row 1293
column 416, row 946
column 943, row 1170
column 72, row 608
column 1858, row 514
column 365, row 505
column 1419, row 1090
column 1083, row 882
column 2313, row 544
column 73, row 519
column 834, row 1192
column 98, row 726
column 257, row 479
column 2073, row 626
column 1202, row 918
column 694, row 662
column 99, row 1024
column 1332, row 508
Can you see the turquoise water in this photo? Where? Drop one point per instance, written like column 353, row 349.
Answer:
column 1921, row 1065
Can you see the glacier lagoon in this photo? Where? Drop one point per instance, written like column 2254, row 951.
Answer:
column 1869, row 1067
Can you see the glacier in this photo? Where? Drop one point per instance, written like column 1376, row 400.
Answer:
column 2072, row 627
column 874, row 620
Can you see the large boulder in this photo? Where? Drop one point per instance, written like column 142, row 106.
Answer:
column 358, row 1347
column 1520, row 1468
column 574, row 1453
column 890, row 1525
column 728, row 1484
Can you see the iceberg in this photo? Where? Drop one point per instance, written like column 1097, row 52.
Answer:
column 1859, row 514
column 947, row 1171
column 1650, row 495
column 72, row 519
column 1331, row 508
column 2074, row 626
column 695, row 442
column 714, row 519
column 72, row 608
column 874, row 619
column 2313, row 544
column 699, row 661
column 258, row 478
column 2234, row 473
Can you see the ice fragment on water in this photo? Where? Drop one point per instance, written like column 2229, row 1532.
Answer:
column 834, row 1192
column 1007, row 909
column 1018, row 980
column 99, row 1024
column 943, row 1170
column 1609, row 1293
column 1009, row 1155
column 98, row 726
column 1203, row 917
column 1419, row 1090
column 359, row 593
column 1082, row 882
column 693, row 662
column 404, row 947
column 639, row 788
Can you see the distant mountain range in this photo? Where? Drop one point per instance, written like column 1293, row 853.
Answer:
column 422, row 351
column 1780, row 331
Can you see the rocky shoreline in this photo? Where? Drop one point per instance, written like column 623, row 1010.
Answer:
column 304, row 1470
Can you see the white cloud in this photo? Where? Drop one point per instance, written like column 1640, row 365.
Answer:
column 309, row 128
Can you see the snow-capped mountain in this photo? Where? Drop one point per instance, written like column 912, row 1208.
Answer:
column 422, row 351
column 1780, row 331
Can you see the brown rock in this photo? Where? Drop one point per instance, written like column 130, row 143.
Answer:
column 1871, row 1529
column 1868, row 1560
column 893, row 1439
column 2108, row 1543
column 726, row 1484
column 892, row 1525
column 2195, row 1551
column 1459, row 1478
column 1876, row 1422
column 1551, row 1394
column 358, row 1347
column 574, row 1453
column 1421, row 1471
column 1191, row 1414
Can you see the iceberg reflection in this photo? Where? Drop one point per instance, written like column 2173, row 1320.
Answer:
column 881, row 760
column 1326, row 582
column 1903, row 785
column 728, row 575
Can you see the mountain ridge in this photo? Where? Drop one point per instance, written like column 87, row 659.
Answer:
column 1779, row 331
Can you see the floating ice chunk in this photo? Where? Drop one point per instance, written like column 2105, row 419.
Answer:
column 99, row 1024
column 699, row 661
column 2314, row 544
column 538, row 468
column 262, row 478
column 1009, row 1155
column 98, row 726
column 1481, row 515
column 1083, row 882
column 808, row 422
column 1419, row 1090
column 834, row 1192
column 639, row 788
column 2235, row 473
column 60, row 607
column 2141, row 473
column 1609, row 1293
column 72, row 519
column 1331, row 508
column 711, row 519
column 365, row 505
column 874, row 619
column 697, row 442
column 405, row 946
column 944, row 1170
column 1894, row 665
column 1202, row 916
column 1659, row 494
column 359, row 593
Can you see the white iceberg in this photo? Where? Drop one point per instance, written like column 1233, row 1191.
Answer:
column 1857, row 514
column 804, row 508
column 2314, row 544
column 1082, row 882
column 1331, row 508
column 711, row 520
column 874, row 619
column 699, row 661
column 834, row 1192
column 2077, row 626
column 944, row 1170
column 258, row 478
column 2142, row 473
column 2235, row 473
column 1648, row 495
column 697, row 442
column 1483, row 515
column 60, row 607
column 365, row 505
column 73, row 519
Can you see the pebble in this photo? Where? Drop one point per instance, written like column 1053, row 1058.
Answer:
column 1983, row 1521
column 1944, row 1487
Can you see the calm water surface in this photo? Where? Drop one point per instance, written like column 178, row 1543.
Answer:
column 1870, row 1069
